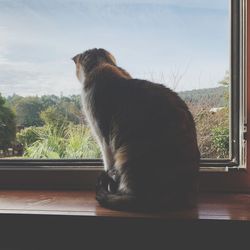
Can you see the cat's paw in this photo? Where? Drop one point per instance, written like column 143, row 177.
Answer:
column 106, row 183
column 101, row 195
column 112, row 173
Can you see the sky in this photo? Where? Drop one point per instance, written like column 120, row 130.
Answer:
column 183, row 44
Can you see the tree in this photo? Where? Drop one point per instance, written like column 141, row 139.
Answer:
column 28, row 111
column 63, row 113
column 226, row 80
column 7, row 125
column 49, row 100
column 11, row 101
column 54, row 116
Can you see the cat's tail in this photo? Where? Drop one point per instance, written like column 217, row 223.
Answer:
column 117, row 201
column 108, row 195
column 127, row 202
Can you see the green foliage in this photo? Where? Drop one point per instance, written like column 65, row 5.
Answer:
column 11, row 101
column 220, row 133
column 66, row 142
column 49, row 131
column 206, row 121
column 53, row 116
column 220, row 140
column 29, row 135
column 70, row 107
column 7, row 125
column 2, row 101
column 27, row 111
column 58, row 115
column 49, row 145
column 49, row 101
column 54, row 124
column 49, row 109
column 80, row 143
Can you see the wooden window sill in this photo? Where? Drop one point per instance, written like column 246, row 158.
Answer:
column 74, row 220
column 211, row 206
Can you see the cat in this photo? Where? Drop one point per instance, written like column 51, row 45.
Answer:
column 146, row 133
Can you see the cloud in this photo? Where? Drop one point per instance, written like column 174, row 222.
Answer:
column 26, row 78
column 44, row 4
column 3, row 42
column 37, row 39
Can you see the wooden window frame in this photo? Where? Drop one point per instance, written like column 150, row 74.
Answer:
column 79, row 175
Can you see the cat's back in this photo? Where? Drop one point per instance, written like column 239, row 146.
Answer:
column 156, row 92
column 154, row 101
column 139, row 101
column 118, row 83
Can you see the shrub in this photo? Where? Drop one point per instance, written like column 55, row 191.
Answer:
column 67, row 142
column 206, row 124
column 220, row 140
column 49, row 144
column 7, row 125
column 29, row 135
column 80, row 143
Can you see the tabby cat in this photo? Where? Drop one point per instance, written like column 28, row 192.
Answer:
column 146, row 134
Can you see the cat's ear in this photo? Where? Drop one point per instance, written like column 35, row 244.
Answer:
column 108, row 56
column 112, row 58
column 75, row 58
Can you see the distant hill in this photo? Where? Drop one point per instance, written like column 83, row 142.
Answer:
column 212, row 97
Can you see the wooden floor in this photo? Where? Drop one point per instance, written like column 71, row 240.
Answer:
column 82, row 203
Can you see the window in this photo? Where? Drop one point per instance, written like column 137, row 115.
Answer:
column 236, row 93
column 195, row 47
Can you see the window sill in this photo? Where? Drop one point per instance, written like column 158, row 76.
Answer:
column 211, row 206
column 74, row 220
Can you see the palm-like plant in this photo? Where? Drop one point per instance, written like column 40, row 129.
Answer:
column 80, row 143
column 65, row 141
column 50, row 144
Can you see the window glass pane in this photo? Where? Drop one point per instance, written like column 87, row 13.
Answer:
column 183, row 44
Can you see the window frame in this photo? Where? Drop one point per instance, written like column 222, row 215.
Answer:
column 237, row 88
column 237, row 179
column 226, row 175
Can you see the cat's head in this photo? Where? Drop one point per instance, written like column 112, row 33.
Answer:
column 88, row 60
